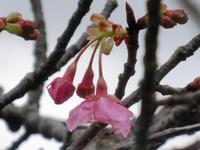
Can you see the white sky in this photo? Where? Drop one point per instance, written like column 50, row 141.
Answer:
column 16, row 57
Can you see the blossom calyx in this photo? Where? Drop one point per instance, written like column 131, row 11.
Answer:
column 86, row 87
column 60, row 90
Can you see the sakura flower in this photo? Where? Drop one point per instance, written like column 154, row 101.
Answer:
column 103, row 109
column 106, row 32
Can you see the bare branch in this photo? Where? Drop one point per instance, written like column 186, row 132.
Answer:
column 188, row 98
column 129, row 66
column 17, row 143
column 148, row 83
column 168, row 90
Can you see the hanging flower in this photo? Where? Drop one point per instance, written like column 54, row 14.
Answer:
column 103, row 109
column 97, row 106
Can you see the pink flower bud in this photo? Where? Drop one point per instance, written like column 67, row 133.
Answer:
column 60, row 90
column 28, row 26
column 194, row 85
column 167, row 22
column 86, row 87
column 178, row 15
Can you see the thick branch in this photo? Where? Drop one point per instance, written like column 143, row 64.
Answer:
column 147, row 86
column 36, row 78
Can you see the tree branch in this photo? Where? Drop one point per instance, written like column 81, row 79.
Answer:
column 17, row 143
column 148, row 83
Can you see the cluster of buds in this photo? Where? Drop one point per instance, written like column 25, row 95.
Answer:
column 15, row 24
column 98, row 105
column 169, row 18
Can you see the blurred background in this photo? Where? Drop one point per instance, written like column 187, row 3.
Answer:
column 16, row 59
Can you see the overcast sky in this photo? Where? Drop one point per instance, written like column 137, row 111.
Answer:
column 16, row 56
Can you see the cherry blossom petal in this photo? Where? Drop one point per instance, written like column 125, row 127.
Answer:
column 83, row 113
column 110, row 112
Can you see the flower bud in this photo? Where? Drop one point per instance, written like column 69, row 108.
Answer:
column 178, row 15
column 14, row 17
column 14, row 28
column 2, row 24
column 167, row 22
column 107, row 45
column 86, row 87
column 142, row 22
column 194, row 85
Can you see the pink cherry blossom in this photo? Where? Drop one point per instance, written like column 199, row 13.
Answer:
column 104, row 109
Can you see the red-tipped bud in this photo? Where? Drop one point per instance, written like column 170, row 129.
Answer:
column 142, row 22
column 86, row 87
column 167, row 22
column 2, row 24
column 178, row 15
column 101, row 86
column 194, row 85
column 60, row 90
column 28, row 26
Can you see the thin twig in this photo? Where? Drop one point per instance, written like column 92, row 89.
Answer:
column 36, row 78
column 19, row 141
column 39, row 51
column 132, row 47
column 168, row 133
column 188, row 98
column 168, row 90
